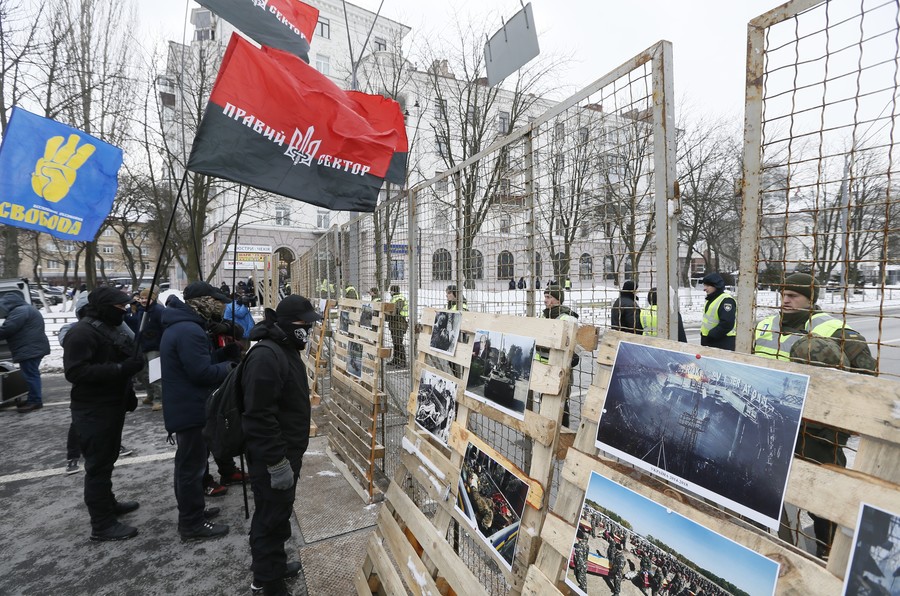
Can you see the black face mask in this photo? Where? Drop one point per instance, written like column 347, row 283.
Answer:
column 111, row 315
column 298, row 335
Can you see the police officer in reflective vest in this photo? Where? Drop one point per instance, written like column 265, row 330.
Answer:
column 398, row 322
column 554, row 309
column 350, row 292
column 453, row 299
column 375, row 294
column 649, row 319
column 717, row 330
column 801, row 332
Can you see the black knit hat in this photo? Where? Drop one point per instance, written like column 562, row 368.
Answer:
column 198, row 289
column 555, row 291
column 802, row 283
column 106, row 295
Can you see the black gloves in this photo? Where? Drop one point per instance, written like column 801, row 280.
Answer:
column 132, row 366
column 232, row 352
column 225, row 328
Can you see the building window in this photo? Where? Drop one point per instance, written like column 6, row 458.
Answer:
column 442, row 220
column 323, row 64
column 475, row 267
column 470, row 115
column 323, row 219
column 586, row 266
column 380, row 44
column 108, row 250
column 440, row 146
column 441, row 265
column 583, row 135
column 503, row 122
column 505, row 224
column 145, row 251
column 505, row 265
column 440, row 108
column 51, row 264
column 397, row 270
column 442, row 185
column 559, row 131
column 108, row 232
column 323, row 28
column 505, row 187
column 282, row 215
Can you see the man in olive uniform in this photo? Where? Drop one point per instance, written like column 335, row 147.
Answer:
column 581, row 556
column 554, row 297
column 350, row 292
column 398, row 324
column 618, row 570
column 801, row 332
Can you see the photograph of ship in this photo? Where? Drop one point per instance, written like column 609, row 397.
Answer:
column 365, row 316
column 344, row 323
column 628, row 544
column 721, row 429
column 445, row 332
column 874, row 568
column 436, row 404
column 492, row 500
column 501, row 370
column 354, row 359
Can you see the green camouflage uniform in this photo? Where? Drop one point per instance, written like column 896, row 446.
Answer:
column 581, row 556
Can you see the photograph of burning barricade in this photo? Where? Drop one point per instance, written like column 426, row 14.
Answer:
column 501, row 371
column 721, row 429
column 492, row 499
column 445, row 332
column 628, row 544
column 874, row 568
column 436, row 404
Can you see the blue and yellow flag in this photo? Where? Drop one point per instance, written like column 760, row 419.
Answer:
column 55, row 178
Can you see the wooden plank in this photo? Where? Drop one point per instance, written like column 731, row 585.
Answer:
column 566, row 440
column 383, row 568
column 587, row 337
column 539, row 428
column 547, row 333
column 355, row 434
column 537, row 584
column 459, row 440
column 339, row 444
column 436, row 458
column 412, row 568
column 459, row 576
column 350, row 386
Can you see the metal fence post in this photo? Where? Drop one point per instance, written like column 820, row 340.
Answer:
column 529, row 222
column 414, row 256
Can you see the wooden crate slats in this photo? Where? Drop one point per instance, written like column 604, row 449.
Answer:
column 537, row 584
column 351, row 389
column 314, row 359
column 360, row 437
column 413, row 570
column 378, row 574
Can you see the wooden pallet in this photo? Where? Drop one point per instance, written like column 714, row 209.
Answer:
column 356, row 404
column 862, row 404
column 425, row 561
column 314, row 358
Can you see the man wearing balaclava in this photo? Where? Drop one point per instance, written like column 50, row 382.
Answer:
column 190, row 372
column 276, row 429
column 99, row 360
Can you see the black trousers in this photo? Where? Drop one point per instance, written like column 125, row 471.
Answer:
column 190, row 465
column 73, row 451
column 99, row 432
column 270, row 527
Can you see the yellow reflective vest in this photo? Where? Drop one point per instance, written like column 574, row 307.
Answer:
column 711, row 316
column 404, row 310
column 649, row 320
column 769, row 342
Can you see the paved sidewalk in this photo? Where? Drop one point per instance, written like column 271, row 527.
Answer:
column 44, row 545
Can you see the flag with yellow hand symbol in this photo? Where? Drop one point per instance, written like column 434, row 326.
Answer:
column 54, row 178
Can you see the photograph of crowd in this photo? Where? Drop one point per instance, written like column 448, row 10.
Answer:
column 501, row 371
column 355, row 359
column 344, row 323
column 436, row 404
column 365, row 316
column 628, row 544
column 492, row 499
column 874, row 567
column 723, row 430
column 445, row 332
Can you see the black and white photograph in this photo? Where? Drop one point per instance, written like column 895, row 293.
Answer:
column 355, row 359
column 628, row 544
column 365, row 316
column 500, row 371
column 344, row 322
column 436, row 404
column 445, row 332
column 720, row 429
column 874, row 567
column 320, row 306
column 492, row 500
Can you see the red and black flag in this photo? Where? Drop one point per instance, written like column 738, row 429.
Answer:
column 283, row 24
column 275, row 123
column 384, row 114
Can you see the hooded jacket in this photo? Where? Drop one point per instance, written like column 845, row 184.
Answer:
column 189, row 369
column 23, row 329
column 241, row 316
column 625, row 314
column 91, row 357
column 276, row 400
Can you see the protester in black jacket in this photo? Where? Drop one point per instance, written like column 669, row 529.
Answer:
column 276, row 428
column 99, row 361
column 190, row 372
column 626, row 314
column 23, row 331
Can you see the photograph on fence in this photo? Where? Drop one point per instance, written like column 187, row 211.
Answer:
column 625, row 538
column 492, row 500
column 365, row 316
column 355, row 359
column 874, row 566
column 501, row 371
column 721, row 429
column 445, row 332
column 344, row 322
column 320, row 306
column 436, row 404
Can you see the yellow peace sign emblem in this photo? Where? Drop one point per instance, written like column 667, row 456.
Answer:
column 54, row 173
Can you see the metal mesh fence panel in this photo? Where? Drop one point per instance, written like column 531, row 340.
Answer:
column 818, row 183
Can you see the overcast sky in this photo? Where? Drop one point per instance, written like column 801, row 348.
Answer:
column 708, row 36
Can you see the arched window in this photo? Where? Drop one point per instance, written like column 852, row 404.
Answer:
column 505, row 265
column 441, row 265
column 585, row 267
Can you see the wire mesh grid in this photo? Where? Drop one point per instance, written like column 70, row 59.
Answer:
column 826, row 95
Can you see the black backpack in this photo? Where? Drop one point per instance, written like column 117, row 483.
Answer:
column 223, row 431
